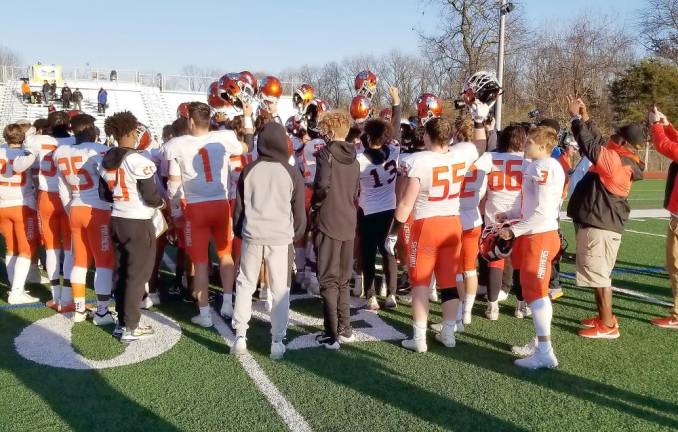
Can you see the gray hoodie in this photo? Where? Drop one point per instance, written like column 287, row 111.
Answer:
column 269, row 208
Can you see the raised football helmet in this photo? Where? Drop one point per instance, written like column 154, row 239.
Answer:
column 302, row 97
column 482, row 86
column 270, row 89
column 361, row 109
column 428, row 106
column 366, row 83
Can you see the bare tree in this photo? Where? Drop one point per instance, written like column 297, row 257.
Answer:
column 658, row 26
column 8, row 57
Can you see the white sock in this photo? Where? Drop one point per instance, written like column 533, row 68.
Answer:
column 103, row 284
column 448, row 327
column 542, row 312
column 52, row 263
column 56, row 292
column 460, row 310
column 419, row 328
column 22, row 266
column 205, row 312
column 469, row 299
column 68, row 264
column 228, row 298
column 66, row 295
column 10, row 261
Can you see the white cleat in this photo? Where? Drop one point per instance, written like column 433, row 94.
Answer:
column 503, row 295
column 240, row 346
column 525, row 350
column 102, row 320
column 538, row 360
column 466, row 319
column 155, row 298
column 21, row 297
column 492, row 311
column 447, row 339
column 416, row 345
column 79, row 316
column 202, row 321
column 459, row 327
column 436, row 327
column 346, row 339
column 227, row 307
column 277, row 350
column 433, row 296
column 522, row 310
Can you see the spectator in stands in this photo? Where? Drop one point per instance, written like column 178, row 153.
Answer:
column 26, row 91
column 665, row 140
column 46, row 92
column 102, row 99
column 77, row 99
column 66, row 95
column 52, row 90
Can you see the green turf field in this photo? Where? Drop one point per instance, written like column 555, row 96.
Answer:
column 629, row 384
column 646, row 194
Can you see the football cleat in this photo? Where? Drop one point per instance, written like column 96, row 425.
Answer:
column 538, row 360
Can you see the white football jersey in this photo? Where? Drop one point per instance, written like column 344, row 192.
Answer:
column 311, row 148
column 202, row 163
column 504, row 177
column 543, row 182
column 78, row 167
column 235, row 166
column 122, row 182
column 43, row 147
column 440, row 176
column 16, row 187
column 469, row 198
column 377, row 182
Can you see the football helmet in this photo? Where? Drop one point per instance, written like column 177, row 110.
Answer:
column 249, row 78
column 236, row 90
column 182, row 110
column 366, row 83
column 482, row 86
column 386, row 114
column 270, row 89
column 312, row 114
column 302, row 97
column 144, row 138
column 428, row 106
column 361, row 109
column 493, row 247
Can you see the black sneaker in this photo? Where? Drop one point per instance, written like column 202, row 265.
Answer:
column 328, row 342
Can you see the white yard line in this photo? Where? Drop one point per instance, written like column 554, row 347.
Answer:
column 630, row 292
column 294, row 421
column 645, row 233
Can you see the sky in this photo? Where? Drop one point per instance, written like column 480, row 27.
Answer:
column 266, row 35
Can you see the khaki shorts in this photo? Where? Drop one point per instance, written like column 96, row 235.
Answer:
column 596, row 254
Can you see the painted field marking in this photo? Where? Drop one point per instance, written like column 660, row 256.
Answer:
column 294, row 421
column 627, row 291
column 645, row 233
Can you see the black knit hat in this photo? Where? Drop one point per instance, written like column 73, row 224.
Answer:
column 552, row 123
column 634, row 134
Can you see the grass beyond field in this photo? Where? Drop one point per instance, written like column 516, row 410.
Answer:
column 628, row 384
column 646, row 194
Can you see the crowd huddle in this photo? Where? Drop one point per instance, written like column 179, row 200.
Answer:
column 308, row 202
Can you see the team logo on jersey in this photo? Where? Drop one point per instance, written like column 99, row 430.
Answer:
column 543, row 257
column 30, row 228
column 413, row 254
column 48, row 342
column 105, row 238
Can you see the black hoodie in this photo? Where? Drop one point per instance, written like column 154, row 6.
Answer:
column 335, row 191
column 269, row 207
column 148, row 191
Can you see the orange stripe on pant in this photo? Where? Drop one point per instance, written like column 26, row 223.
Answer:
column 435, row 247
column 54, row 224
column 532, row 255
column 19, row 226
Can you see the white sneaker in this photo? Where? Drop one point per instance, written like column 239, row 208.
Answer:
column 277, row 350
column 240, row 346
column 538, row 360
column 202, row 322
column 146, row 303
column 79, row 316
column 372, row 304
column 466, row 318
column 416, row 345
column 21, row 297
column 433, row 296
column 102, row 320
column 525, row 350
column 383, row 289
column 447, row 339
column 346, row 339
column 391, row 302
column 492, row 311
column 155, row 298
column 503, row 295
column 357, row 285
column 522, row 310
column 227, row 307
column 436, row 327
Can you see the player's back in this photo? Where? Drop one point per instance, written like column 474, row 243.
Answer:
column 543, row 183
column 43, row 147
column 440, row 177
column 78, row 165
column 16, row 189
column 203, row 163
column 504, row 171
column 311, row 149
column 378, row 172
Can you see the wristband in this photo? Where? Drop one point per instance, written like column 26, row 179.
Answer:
column 395, row 227
column 248, row 123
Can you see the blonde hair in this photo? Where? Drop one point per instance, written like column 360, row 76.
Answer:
column 334, row 123
column 463, row 127
column 544, row 135
column 14, row 134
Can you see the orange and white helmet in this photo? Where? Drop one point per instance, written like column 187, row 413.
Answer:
column 313, row 110
column 236, row 89
column 303, row 96
column 493, row 247
column 361, row 109
column 270, row 89
column 144, row 138
column 249, row 78
column 428, row 106
column 182, row 110
column 366, row 83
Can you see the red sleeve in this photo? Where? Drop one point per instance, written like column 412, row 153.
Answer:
column 671, row 132
column 663, row 143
